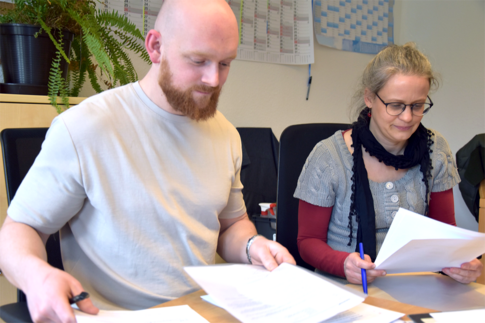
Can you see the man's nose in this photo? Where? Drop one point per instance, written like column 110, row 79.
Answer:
column 211, row 75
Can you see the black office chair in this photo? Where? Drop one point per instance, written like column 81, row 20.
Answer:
column 260, row 167
column 470, row 160
column 296, row 143
column 20, row 147
column 259, row 173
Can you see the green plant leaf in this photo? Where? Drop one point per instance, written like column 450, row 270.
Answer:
column 58, row 46
column 99, row 50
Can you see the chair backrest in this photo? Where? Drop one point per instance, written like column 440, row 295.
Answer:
column 296, row 143
column 259, row 167
column 471, row 168
column 20, row 147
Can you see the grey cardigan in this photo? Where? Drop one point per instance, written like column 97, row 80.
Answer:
column 326, row 181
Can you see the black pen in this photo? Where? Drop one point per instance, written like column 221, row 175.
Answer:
column 78, row 298
column 308, row 87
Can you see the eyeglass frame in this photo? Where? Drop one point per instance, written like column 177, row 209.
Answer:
column 406, row 105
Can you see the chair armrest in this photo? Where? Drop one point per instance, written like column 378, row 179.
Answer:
column 15, row 312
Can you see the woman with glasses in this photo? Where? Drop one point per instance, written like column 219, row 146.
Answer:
column 354, row 182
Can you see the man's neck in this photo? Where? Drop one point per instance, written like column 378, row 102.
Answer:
column 149, row 85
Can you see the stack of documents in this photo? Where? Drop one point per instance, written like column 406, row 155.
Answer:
column 287, row 294
column 416, row 243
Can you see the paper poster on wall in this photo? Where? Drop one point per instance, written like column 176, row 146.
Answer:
column 142, row 13
column 362, row 26
column 152, row 8
column 274, row 31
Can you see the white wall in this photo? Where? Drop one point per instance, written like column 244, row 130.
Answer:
column 450, row 32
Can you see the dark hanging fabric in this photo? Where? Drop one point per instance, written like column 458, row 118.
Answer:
column 259, row 167
column 417, row 152
column 470, row 160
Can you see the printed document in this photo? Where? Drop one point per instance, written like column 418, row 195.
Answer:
column 287, row 294
column 361, row 313
column 174, row 314
column 365, row 313
column 416, row 243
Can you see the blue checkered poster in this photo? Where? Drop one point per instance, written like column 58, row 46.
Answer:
column 362, row 26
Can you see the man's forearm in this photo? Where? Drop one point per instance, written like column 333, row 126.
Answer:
column 232, row 242
column 21, row 249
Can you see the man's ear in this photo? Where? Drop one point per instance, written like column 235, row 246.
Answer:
column 369, row 98
column 153, row 44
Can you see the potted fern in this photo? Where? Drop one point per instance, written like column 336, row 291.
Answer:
column 98, row 50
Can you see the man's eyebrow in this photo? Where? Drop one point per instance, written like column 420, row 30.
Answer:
column 203, row 54
column 196, row 53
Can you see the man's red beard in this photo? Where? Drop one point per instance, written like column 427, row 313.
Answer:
column 183, row 100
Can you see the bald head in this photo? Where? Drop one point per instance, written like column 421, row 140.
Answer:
column 191, row 48
column 177, row 17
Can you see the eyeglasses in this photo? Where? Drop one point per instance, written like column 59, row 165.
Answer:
column 417, row 109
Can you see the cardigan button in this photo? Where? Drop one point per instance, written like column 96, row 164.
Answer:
column 389, row 185
column 394, row 198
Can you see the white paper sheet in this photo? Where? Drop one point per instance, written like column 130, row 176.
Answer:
column 360, row 313
column 287, row 294
column 459, row 316
column 174, row 314
column 365, row 313
column 416, row 243
column 210, row 300
column 435, row 291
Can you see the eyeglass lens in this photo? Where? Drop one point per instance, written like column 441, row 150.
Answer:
column 418, row 109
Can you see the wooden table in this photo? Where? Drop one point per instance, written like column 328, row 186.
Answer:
column 216, row 314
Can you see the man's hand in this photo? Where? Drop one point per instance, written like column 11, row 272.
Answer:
column 353, row 265
column 48, row 289
column 233, row 239
column 48, row 297
column 268, row 253
column 467, row 273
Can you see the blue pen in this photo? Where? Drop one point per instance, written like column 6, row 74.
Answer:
column 309, row 81
column 362, row 270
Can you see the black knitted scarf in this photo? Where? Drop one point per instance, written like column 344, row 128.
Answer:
column 417, row 152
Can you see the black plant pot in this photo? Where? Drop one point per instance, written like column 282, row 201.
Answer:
column 26, row 60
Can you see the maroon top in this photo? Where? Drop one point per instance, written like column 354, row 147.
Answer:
column 313, row 227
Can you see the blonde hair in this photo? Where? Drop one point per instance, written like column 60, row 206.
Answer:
column 392, row 60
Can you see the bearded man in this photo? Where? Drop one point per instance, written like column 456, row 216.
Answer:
column 141, row 181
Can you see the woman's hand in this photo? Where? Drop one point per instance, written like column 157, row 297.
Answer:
column 467, row 273
column 353, row 265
